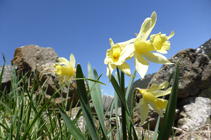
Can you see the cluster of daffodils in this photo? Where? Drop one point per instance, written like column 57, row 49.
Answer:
column 143, row 51
column 150, row 96
column 140, row 48
column 65, row 69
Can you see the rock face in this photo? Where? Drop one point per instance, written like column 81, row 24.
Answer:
column 27, row 57
column 194, row 76
column 205, row 48
column 195, row 114
column 107, row 100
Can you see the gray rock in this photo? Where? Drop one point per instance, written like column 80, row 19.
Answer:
column 27, row 57
column 107, row 100
column 47, row 72
column 195, row 114
column 194, row 76
column 40, row 60
column 6, row 79
column 205, row 48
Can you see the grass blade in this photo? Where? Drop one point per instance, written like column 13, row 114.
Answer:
column 71, row 125
column 85, row 103
column 99, row 106
column 96, row 98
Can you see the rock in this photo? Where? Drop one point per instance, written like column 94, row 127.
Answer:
column 40, row 60
column 206, row 93
column 205, row 48
column 46, row 73
column 6, row 79
column 194, row 76
column 195, row 114
column 27, row 57
column 107, row 100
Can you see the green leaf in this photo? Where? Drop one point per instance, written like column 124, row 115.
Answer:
column 116, row 111
column 19, row 122
column 122, row 99
column 130, row 84
column 71, row 125
column 97, row 98
column 170, row 110
column 85, row 103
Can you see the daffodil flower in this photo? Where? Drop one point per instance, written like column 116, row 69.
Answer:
column 141, row 47
column 112, row 59
column 65, row 69
column 151, row 96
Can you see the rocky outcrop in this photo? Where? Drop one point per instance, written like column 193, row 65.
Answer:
column 195, row 114
column 205, row 48
column 27, row 57
column 40, row 61
column 194, row 76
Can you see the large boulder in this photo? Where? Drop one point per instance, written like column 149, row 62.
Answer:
column 194, row 75
column 39, row 60
column 47, row 73
column 27, row 57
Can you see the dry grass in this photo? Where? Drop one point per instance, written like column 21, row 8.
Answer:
column 200, row 133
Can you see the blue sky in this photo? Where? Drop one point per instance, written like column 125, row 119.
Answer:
column 84, row 27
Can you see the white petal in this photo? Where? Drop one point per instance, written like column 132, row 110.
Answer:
column 141, row 64
column 111, row 42
column 126, row 52
column 124, row 44
column 159, row 93
column 170, row 36
column 153, row 87
column 156, row 58
column 163, row 85
column 149, row 26
column 67, row 78
column 108, row 59
column 162, row 51
column 144, row 27
column 144, row 110
column 72, row 60
column 110, row 69
column 160, row 112
column 125, row 68
column 63, row 60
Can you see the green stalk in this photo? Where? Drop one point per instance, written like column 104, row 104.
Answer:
column 170, row 110
column 122, row 86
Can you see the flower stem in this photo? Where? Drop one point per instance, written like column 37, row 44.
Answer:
column 122, row 86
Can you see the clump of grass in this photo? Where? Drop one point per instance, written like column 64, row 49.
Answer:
column 24, row 115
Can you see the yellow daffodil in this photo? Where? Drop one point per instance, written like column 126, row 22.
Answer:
column 141, row 47
column 112, row 59
column 65, row 69
column 151, row 96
